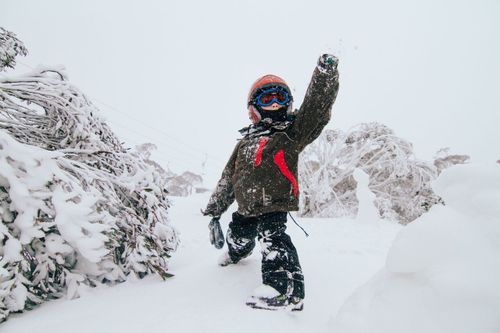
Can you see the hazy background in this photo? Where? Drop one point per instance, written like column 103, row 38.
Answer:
column 176, row 73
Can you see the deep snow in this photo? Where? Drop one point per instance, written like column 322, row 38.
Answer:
column 339, row 255
column 439, row 274
column 442, row 273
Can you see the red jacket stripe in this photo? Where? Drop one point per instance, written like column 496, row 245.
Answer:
column 258, row 155
column 279, row 159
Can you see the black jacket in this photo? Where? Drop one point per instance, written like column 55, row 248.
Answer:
column 261, row 173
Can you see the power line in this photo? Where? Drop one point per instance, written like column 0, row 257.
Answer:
column 130, row 129
column 168, row 157
column 158, row 130
column 187, row 164
column 215, row 158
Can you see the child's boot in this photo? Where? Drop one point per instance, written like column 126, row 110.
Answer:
column 267, row 298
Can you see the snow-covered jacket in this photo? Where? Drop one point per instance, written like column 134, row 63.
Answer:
column 261, row 173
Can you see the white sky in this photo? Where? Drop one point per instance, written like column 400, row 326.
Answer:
column 177, row 73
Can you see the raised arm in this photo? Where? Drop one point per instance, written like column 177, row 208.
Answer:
column 223, row 195
column 315, row 111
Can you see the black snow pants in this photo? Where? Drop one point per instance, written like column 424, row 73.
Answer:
column 280, row 262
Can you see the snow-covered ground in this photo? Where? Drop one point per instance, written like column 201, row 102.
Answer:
column 402, row 64
column 442, row 273
column 439, row 274
column 339, row 255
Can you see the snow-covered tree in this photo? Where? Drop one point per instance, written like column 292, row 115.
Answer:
column 76, row 206
column 10, row 48
column 399, row 180
column 185, row 184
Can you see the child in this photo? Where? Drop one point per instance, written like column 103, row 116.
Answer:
column 262, row 176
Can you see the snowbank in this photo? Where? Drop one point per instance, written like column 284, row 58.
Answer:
column 442, row 273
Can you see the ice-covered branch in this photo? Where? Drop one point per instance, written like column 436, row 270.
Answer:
column 10, row 48
column 400, row 181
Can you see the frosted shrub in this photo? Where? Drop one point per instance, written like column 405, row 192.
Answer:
column 10, row 48
column 76, row 206
column 185, row 184
column 444, row 159
column 400, row 181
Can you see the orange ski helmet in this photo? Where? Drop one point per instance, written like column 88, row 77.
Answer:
column 268, row 80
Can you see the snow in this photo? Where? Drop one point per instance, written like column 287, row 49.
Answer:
column 339, row 255
column 12, row 250
column 437, row 274
column 442, row 271
column 72, row 220
column 265, row 291
column 366, row 210
column 427, row 69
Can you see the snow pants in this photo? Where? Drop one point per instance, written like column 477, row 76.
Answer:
column 280, row 262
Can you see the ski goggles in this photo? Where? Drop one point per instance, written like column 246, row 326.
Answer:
column 271, row 95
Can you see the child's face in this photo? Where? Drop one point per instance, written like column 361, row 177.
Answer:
column 272, row 107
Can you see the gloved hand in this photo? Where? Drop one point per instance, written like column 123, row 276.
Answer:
column 328, row 61
column 216, row 236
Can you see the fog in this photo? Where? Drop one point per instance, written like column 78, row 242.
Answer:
column 176, row 73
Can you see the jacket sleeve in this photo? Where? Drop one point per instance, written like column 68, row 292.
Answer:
column 315, row 111
column 223, row 195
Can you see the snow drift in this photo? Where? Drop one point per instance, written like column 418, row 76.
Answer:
column 442, row 272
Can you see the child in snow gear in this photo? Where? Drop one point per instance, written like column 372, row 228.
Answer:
column 261, row 175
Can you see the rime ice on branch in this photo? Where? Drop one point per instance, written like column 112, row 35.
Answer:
column 399, row 180
column 10, row 48
column 76, row 206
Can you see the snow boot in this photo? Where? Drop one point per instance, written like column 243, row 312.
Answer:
column 267, row 298
column 225, row 260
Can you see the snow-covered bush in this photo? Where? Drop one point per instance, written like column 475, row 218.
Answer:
column 444, row 159
column 10, row 47
column 442, row 273
column 185, row 184
column 400, row 181
column 76, row 206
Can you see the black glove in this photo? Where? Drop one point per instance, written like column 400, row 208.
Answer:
column 328, row 61
column 216, row 236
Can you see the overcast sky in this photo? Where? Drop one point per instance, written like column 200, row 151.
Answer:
column 177, row 73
